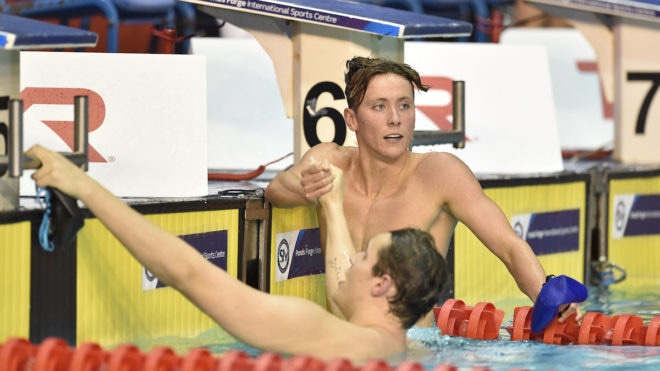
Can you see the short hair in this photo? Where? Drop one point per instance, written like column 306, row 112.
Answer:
column 360, row 70
column 418, row 270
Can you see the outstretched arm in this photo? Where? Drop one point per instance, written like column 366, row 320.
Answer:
column 339, row 247
column 256, row 318
column 486, row 220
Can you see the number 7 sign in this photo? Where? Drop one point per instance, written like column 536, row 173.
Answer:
column 637, row 109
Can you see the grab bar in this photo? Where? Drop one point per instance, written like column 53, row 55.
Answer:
column 457, row 134
column 15, row 161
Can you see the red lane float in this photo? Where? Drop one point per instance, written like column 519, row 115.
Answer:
column 125, row 357
column 161, row 358
column 485, row 322
column 594, row 329
column 88, row 357
column 522, row 329
column 482, row 321
column 53, row 354
column 627, row 330
column 268, row 361
column 652, row 337
column 409, row 366
column 454, row 318
column 304, row 363
column 198, row 359
column 16, row 354
column 375, row 365
column 339, row 364
column 562, row 333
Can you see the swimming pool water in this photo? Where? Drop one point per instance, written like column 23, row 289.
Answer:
column 504, row 354
column 428, row 347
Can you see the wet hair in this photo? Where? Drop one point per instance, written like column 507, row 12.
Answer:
column 418, row 270
column 360, row 70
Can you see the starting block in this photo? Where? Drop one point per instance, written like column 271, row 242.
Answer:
column 309, row 43
column 16, row 34
column 628, row 64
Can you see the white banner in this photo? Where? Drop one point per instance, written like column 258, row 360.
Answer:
column 247, row 125
column 584, row 116
column 511, row 126
column 147, row 118
column 511, row 122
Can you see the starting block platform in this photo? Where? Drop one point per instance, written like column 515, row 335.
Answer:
column 640, row 9
column 309, row 42
column 23, row 33
column 368, row 18
column 16, row 34
column 622, row 34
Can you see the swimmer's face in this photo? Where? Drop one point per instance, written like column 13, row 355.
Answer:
column 359, row 277
column 385, row 119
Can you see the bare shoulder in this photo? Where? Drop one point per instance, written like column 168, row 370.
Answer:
column 453, row 179
column 441, row 163
column 338, row 155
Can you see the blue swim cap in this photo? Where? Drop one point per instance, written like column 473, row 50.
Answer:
column 556, row 292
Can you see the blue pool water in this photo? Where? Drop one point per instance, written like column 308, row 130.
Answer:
column 504, row 354
column 430, row 348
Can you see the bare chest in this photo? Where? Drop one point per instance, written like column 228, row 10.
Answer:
column 370, row 216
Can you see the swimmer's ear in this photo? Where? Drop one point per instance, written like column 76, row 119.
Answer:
column 349, row 118
column 382, row 285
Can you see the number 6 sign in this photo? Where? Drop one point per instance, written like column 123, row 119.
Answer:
column 319, row 74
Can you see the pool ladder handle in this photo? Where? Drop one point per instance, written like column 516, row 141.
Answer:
column 457, row 134
column 15, row 161
column 605, row 270
column 62, row 212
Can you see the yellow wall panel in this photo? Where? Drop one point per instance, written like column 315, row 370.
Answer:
column 112, row 306
column 638, row 255
column 481, row 276
column 14, row 280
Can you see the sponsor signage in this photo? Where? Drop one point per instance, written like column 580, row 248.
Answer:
column 299, row 254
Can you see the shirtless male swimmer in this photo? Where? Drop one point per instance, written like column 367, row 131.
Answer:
column 378, row 296
column 388, row 187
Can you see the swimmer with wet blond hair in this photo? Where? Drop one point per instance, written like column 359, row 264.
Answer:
column 389, row 187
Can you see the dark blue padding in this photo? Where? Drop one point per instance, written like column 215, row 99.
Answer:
column 24, row 33
column 410, row 5
column 641, row 9
column 145, row 6
column 162, row 12
column 356, row 16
